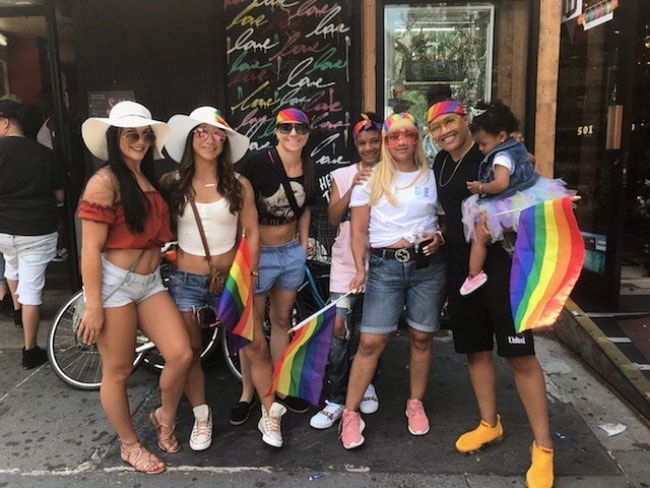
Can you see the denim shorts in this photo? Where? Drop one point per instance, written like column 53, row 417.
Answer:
column 391, row 285
column 281, row 266
column 26, row 259
column 136, row 288
column 191, row 291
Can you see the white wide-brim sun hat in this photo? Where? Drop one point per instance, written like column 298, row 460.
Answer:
column 181, row 125
column 125, row 115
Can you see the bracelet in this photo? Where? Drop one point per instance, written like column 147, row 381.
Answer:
column 442, row 237
column 255, row 273
column 480, row 190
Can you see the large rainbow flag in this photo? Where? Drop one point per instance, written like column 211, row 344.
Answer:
column 235, row 307
column 300, row 371
column 548, row 258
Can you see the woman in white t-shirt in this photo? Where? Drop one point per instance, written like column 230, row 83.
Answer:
column 396, row 212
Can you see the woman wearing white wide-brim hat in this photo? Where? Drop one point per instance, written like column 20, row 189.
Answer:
column 124, row 223
column 206, row 148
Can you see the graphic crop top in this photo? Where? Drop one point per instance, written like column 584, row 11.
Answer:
column 157, row 229
column 271, row 199
column 219, row 225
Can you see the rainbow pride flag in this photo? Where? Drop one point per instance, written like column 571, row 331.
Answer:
column 547, row 262
column 235, row 307
column 300, row 371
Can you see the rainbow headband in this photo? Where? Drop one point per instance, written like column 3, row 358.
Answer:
column 445, row 107
column 291, row 115
column 388, row 123
column 365, row 124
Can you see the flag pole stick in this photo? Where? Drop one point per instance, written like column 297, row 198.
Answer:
column 328, row 306
column 573, row 199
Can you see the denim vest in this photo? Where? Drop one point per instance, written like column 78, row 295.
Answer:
column 523, row 176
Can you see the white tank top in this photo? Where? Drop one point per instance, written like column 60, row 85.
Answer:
column 219, row 225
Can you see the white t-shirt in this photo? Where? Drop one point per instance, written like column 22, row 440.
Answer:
column 503, row 160
column 417, row 209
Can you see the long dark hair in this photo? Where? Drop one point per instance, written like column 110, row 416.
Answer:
column 134, row 200
column 181, row 190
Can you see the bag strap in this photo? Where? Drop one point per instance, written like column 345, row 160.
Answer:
column 128, row 272
column 201, row 231
column 287, row 186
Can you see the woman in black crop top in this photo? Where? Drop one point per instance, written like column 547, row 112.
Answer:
column 283, row 179
column 124, row 222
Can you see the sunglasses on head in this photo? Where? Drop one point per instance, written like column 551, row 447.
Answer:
column 132, row 137
column 203, row 133
column 409, row 136
column 285, row 128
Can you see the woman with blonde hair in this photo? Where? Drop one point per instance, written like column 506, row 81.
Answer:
column 396, row 212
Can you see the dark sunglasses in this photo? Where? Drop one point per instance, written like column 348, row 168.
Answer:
column 133, row 137
column 285, row 128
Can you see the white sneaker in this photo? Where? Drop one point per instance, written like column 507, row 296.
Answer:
column 327, row 416
column 370, row 402
column 269, row 424
column 61, row 255
column 201, row 436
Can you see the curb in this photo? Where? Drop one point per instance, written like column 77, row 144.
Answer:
column 585, row 338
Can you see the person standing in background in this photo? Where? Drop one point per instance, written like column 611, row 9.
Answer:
column 31, row 184
column 366, row 134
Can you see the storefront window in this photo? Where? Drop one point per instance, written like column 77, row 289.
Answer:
column 435, row 47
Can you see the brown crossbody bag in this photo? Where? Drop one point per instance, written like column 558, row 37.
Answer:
column 217, row 275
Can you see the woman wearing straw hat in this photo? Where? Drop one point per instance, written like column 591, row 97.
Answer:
column 206, row 148
column 283, row 179
column 396, row 212
column 124, row 222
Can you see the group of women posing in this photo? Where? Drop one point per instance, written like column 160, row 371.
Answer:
column 407, row 243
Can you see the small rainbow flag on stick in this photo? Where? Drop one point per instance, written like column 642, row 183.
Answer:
column 547, row 262
column 235, row 307
column 301, row 368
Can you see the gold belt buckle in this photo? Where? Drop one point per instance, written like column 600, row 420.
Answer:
column 402, row 255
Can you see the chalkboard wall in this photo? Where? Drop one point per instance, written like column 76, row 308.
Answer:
column 295, row 53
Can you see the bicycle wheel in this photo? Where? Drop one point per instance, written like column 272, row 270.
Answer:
column 75, row 363
column 153, row 360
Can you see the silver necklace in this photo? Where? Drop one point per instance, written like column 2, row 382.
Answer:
column 453, row 173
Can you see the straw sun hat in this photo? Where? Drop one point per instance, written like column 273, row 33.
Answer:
column 181, row 125
column 124, row 115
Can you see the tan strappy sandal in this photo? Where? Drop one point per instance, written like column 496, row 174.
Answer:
column 167, row 441
column 141, row 459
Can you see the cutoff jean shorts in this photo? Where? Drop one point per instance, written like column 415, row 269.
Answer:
column 391, row 285
column 26, row 260
column 134, row 287
column 191, row 291
column 281, row 266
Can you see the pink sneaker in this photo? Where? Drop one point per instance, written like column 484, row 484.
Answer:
column 350, row 429
column 418, row 421
column 472, row 284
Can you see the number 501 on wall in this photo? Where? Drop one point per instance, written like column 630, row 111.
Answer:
column 585, row 130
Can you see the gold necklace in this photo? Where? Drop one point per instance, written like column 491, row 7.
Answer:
column 453, row 173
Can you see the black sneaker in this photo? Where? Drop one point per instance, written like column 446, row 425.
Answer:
column 18, row 317
column 34, row 357
column 295, row 404
column 240, row 412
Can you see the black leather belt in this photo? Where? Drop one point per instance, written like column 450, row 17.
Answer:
column 403, row 255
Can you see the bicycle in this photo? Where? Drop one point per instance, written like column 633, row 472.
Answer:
column 79, row 365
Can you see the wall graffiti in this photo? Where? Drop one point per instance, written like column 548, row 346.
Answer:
column 283, row 53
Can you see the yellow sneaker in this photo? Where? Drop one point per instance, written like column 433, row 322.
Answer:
column 473, row 440
column 540, row 473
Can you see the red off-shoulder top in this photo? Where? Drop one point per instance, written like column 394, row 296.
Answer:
column 156, row 232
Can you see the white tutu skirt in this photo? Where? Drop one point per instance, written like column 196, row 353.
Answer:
column 503, row 213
